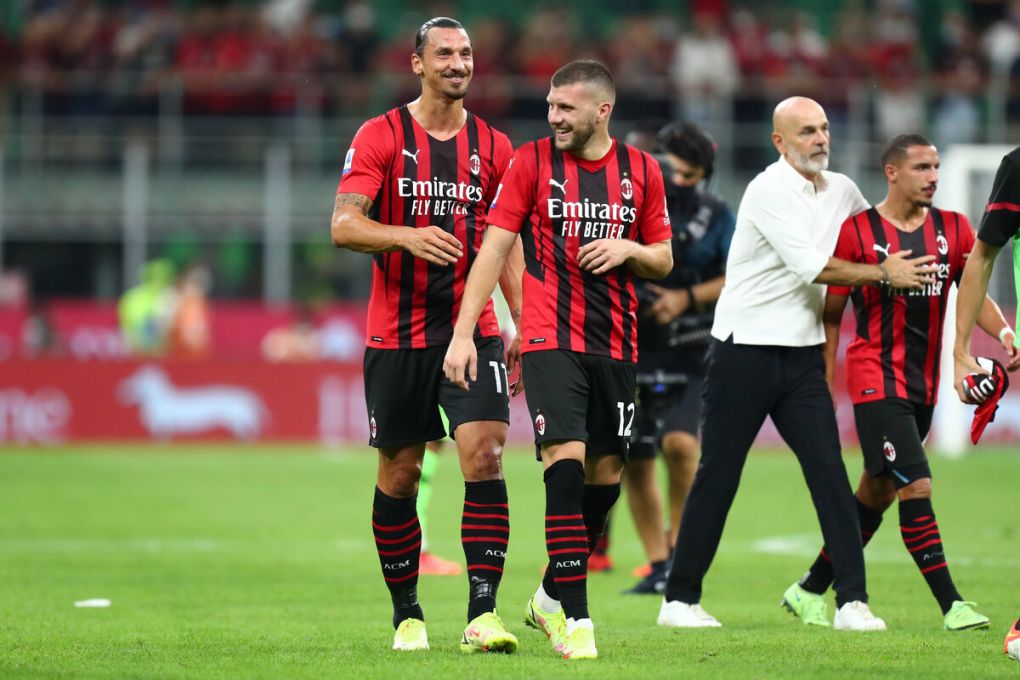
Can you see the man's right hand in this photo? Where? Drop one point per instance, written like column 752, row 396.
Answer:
column 433, row 244
column 461, row 362
column 907, row 272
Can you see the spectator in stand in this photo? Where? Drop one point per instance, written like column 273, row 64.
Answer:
column 296, row 342
column 39, row 336
column 794, row 59
column 492, row 94
column 145, row 310
column 639, row 64
column 847, row 66
column 304, row 58
column 705, row 71
column 899, row 105
column 191, row 323
column 143, row 49
column 1001, row 42
column 962, row 76
column 196, row 58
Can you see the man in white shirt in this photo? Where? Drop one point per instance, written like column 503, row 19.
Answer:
column 766, row 360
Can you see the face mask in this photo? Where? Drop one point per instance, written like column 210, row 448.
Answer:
column 681, row 197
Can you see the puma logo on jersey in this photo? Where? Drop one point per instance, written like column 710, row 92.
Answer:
column 561, row 187
column 884, row 251
column 412, row 156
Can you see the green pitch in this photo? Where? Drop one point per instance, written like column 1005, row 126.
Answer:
column 236, row 562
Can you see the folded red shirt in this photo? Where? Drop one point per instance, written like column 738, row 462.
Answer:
column 985, row 412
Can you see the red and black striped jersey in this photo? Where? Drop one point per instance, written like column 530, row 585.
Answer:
column 416, row 180
column 1001, row 220
column 896, row 349
column 558, row 203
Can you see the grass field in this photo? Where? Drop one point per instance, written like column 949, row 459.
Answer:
column 259, row 562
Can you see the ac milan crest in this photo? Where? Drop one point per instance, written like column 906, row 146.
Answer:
column 540, row 424
column 372, row 427
column 475, row 164
column 889, row 450
column 942, row 243
column 626, row 188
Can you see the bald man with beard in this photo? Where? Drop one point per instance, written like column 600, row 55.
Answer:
column 766, row 360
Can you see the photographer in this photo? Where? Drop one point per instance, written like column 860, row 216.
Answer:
column 674, row 323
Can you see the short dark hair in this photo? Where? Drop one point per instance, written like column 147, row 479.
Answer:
column 896, row 148
column 689, row 142
column 585, row 71
column 421, row 37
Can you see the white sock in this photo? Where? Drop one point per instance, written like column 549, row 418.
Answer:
column 579, row 623
column 545, row 602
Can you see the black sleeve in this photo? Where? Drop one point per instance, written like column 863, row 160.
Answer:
column 1001, row 220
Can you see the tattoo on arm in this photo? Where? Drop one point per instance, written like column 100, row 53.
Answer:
column 362, row 203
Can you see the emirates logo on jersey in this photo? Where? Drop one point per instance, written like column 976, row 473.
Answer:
column 942, row 243
column 889, row 451
column 373, row 428
column 475, row 164
column 626, row 189
column 540, row 424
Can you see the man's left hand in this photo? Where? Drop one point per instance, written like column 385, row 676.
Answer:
column 513, row 363
column 1012, row 354
column 599, row 257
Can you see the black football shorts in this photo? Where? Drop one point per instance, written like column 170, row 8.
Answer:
column 580, row 397
column 892, row 434
column 404, row 389
column 662, row 409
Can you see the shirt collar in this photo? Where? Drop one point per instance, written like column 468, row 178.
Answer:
column 798, row 181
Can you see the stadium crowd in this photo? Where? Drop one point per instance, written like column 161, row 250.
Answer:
column 714, row 59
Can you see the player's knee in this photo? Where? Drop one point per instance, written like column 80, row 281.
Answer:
column 485, row 460
column 680, row 448
column 920, row 488
column 401, row 481
column 877, row 493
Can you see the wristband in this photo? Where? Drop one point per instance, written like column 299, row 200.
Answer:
column 1003, row 332
column 885, row 275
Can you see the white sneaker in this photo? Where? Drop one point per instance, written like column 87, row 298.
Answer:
column 856, row 616
column 682, row 615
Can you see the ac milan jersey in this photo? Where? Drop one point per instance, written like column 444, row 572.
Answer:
column 895, row 352
column 416, row 180
column 559, row 203
column 1001, row 220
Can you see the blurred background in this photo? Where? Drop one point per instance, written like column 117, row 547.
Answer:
column 167, row 169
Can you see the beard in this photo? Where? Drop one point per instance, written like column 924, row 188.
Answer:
column 580, row 134
column 813, row 165
column 455, row 92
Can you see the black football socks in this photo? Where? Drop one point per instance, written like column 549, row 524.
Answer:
column 484, row 531
column 920, row 532
column 398, row 542
column 819, row 578
column 566, row 538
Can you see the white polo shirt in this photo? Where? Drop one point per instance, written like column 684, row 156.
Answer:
column 786, row 231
